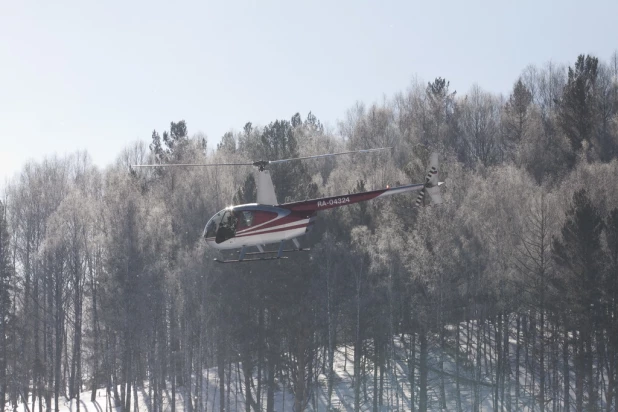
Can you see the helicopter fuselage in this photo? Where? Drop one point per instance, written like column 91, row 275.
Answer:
column 255, row 224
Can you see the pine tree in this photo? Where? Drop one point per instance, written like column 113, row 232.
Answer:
column 517, row 109
column 577, row 112
column 579, row 255
column 611, row 288
column 442, row 107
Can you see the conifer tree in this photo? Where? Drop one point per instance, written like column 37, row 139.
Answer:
column 577, row 113
column 579, row 256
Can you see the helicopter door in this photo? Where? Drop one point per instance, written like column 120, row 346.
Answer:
column 227, row 227
column 245, row 219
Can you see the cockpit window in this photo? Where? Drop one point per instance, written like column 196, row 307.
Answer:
column 228, row 219
column 213, row 224
column 224, row 224
column 227, row 227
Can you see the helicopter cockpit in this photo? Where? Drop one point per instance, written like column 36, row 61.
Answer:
column 221, row 226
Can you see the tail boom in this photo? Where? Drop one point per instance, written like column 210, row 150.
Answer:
column 324, row 203
column 431, row 186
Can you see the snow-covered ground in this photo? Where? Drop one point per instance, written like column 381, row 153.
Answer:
column 397, row 391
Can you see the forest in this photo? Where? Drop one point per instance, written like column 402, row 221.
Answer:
column 505, row 295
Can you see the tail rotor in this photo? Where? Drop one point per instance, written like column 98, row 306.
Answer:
column 432, row 184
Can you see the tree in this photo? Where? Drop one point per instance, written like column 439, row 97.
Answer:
column 606, row 92
column 611, row 288
column 228, row 143
column 578, row 113
column 480, row 119
column 516, row 110
column 544, row 150
column 124, row 291
column 175, row 142
column 6, row 277
column 579, row 256
column 441, row 103
column 278, row 141
column 536, row 268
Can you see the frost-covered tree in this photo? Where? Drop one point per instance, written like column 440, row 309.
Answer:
column 6, row 289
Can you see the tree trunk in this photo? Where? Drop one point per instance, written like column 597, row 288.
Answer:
column 517, row 361
column 381, row 366
column 358, row 342
column 229, row 383
column 59, row 332
column 272, row 363
column 616, row 373
column 499, row 355
column 26, row 342
column 358, row 350
column 412, row 370
column 37, row 360
column 135, row 401
column 478, row 366
column 3, row 357
column 376, row 362
column 579, row 372
column 331, row 369
column 457, row 361
column 422, row 400
column 77, row 352
column 260, row 359
column 96, row 334
column 590, row 381
column 565, row 365
column 441, row 362
column 331, row 336
column 127, row 407
column 542, row 357
column 506, row 376
column 247, row 375
column 300, row 395
column 221, row 371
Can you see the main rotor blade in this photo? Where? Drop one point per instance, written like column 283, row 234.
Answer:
column 328, row 154
column 193, row 164
column 260, row 163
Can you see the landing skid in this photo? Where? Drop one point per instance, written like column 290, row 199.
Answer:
column 275, row 251
column 279, row 252
column 250, row 260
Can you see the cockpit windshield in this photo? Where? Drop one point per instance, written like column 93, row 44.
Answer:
column 213, row 224
column 221, row 226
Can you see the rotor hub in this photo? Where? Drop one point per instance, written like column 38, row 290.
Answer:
column 261, row 164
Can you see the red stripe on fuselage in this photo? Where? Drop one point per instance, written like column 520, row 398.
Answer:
column 281, row 229
column 291, row 218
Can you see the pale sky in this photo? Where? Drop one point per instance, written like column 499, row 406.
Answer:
column 99, row 75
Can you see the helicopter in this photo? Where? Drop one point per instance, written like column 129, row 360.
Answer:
column 269, row 222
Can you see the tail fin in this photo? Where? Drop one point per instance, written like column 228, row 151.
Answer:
column 432, row 183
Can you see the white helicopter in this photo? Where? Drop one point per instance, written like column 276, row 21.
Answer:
column 269, row 222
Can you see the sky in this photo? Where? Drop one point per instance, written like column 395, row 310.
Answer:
column 100, row 75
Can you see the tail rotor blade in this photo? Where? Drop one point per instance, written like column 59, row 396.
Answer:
column 419, row 199
column 432, row 183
